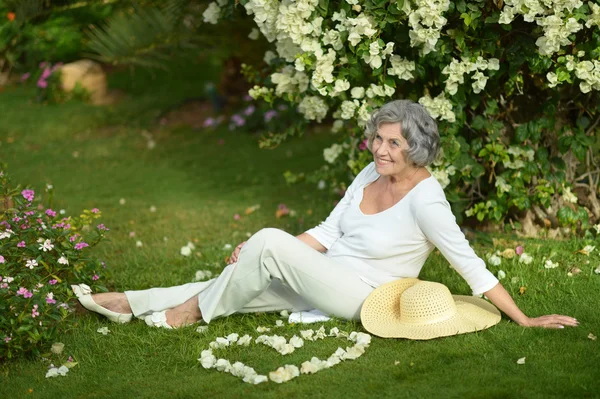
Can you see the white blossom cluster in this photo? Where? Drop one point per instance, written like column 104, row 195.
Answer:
column 554, row 16
column 401, row 67
column 426, row 21
column 438, row 107
column 568, row 195
column 213, row 12
column 442, row 174
column 519, row 155
column 285, row 373
column 502, row 186
column 457, row 69
column 330, row 154
column 589, row 73
column 288, row 80
column 313, row 108
column 257, row 92
column 377, row 53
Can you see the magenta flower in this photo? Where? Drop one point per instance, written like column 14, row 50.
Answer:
column 81, row 245
column 70, row 359
column 50, row 213
column 95, row 210
column 30, row 213
column 21, row 244
column 73, row 237
column 250, row 110
column 25, row 76
column 28, row 194
column 23, row 291
column 95, row 277
column 5, row 224
column 101, row 226
column 237, row 120
column 1, row 259
column 34, row 311
column 52, row 282
column 43, row 65
column 46, row 74
column 51, row 301
column 42, row 84
column 7, row 339
column 363, row 145
column 519, row 250
column 237, row 216
column 16, row 219
column 270, row 114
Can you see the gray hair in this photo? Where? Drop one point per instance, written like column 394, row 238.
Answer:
column 417, row 127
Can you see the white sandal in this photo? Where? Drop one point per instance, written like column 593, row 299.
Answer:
column 83, row 291
column 158, row 319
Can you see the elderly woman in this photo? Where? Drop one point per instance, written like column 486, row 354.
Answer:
column 392, row 216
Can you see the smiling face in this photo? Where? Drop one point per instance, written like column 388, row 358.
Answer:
column 389, row 150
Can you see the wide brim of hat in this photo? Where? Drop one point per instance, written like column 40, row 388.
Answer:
column 380, row 315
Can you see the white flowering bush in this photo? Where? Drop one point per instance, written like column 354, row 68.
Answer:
column 513, row 85
column 42, row 252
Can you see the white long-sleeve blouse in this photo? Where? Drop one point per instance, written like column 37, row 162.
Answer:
column 395, row 243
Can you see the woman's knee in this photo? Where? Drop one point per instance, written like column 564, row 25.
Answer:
column 267, row 236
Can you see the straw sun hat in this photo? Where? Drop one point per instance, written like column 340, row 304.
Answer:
column 415, row 309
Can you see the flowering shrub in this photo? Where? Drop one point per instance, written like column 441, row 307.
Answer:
column 514, row 86
column 42, row 252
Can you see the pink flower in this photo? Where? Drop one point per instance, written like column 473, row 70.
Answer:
column 519, row 250
column 247, row 97
column 95, row 277
column 7, row 339
column 52, row 282
column 50, row 213
column 208, row 122
column 23, row 291
column 46, row 74
column 101, row 226
column 70, row 359
column 81, row 245
column 28, row 194
column 237, row 120
column 16, row 219
column 25, row 76
column 56, row 66
column 237, row 216
column 132, row 234
column 4, row 285
column 1, row 259
column 363, row 146
column 34, row 311
column 43, row 65
column 21, row 244
column 95, row 210
column 73, row 237
column 50, row 298
column 30, row 213
column 42, row 84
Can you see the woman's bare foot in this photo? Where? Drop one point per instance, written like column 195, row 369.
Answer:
column 115, row 301
column 184, row 314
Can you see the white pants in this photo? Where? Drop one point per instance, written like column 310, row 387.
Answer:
column 274, row 271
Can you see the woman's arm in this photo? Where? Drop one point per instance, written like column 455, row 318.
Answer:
column 311, row 241
column 503, row 301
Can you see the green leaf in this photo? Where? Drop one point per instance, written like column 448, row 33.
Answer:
column 466, row 17
column 323, row 7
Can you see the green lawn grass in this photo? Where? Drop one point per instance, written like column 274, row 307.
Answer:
column 197, row 186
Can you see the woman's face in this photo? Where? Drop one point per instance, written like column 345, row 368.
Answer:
column 389, row 150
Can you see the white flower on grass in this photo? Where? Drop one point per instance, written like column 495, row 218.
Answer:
column 285, row 373
column 207, row 359
column 521, row 361
column 103, row 330
column 501, row 274
column 494, row 260
column 46, row 246
column 233, row 337
column 203, row 275
column 55, row 372
column 549, row 264
column 321, row 186
column 139, row 244
column 63, row 261
column 57, row 348
column 152, row 209
column 223, row 365
column 284, row 313
column 307, row 334
column 354, row 352
column 262, row 329
column 31, row 263
column 588, row 249
column 219, row 343
column 245, row 340
column 202, row 329
column 227, row 247
column 360, row 338
column 308, row 368
column 185, row 251
column 525, row 258
column 297, row 342
column 279, row 323
column 6, row 234
column 122, row 201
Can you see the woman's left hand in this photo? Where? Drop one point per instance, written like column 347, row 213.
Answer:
column 550, row 321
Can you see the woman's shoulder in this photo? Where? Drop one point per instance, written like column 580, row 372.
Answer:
column 429, row 192
column 367, row 174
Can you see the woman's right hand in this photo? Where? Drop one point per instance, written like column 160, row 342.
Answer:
column 234, row 255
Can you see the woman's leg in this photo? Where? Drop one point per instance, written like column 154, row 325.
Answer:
column 271, row 254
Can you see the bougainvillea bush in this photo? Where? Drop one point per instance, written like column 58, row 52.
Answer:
column 42, row 252
column 513, row 85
